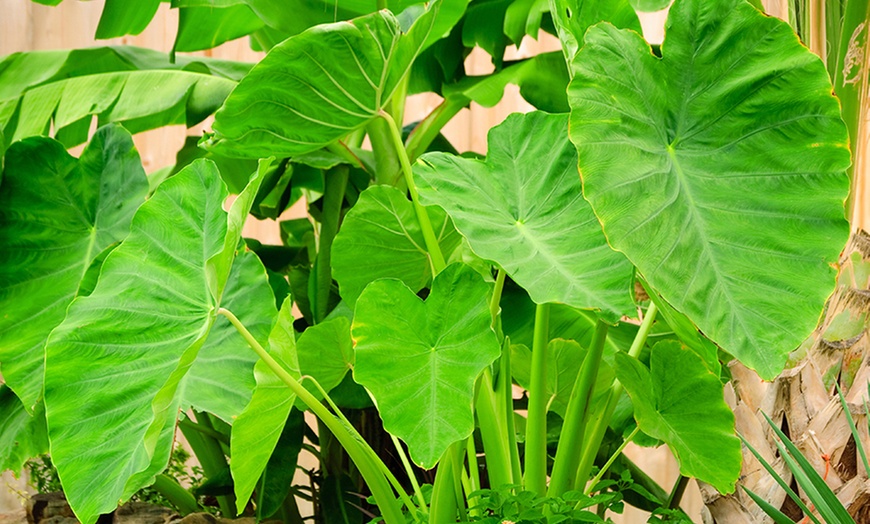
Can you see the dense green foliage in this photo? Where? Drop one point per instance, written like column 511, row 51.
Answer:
column 423, row 284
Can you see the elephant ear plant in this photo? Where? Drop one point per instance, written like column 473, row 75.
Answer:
column 709, row 171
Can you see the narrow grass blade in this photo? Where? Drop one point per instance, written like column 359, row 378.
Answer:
column 778, row 516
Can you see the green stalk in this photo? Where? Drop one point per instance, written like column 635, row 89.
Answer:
column 211, row 457
column 458, row 472
column 593, row 442
column 421, row 501
column 388, row 169
column 182, row 499
column 443, row 507
column 504, row 392
column 610, row 461
column 341, row 150
column 422, row 216
column 358, row 450
column 333, row 197
column 571, row 439
column 428, row 128
column 677, row 491
column 473, row 467
column 493, row 433
column 535, row 479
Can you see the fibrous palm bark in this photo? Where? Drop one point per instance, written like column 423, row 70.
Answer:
column 803, row 402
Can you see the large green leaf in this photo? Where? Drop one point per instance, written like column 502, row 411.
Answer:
column 317, row 87
column 420, row 359
column 115, row 365
column 719, row 170
column 381, row 238
column 57, row 215
column 679, row 401
column 120, row 84
column 257, row 429
column 523, row 208
column 22, row 436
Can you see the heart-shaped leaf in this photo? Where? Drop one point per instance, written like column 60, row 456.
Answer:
column 718, row 169
column 420, row 359
column 317, row 87
column 115, row 365
column 258, row 428
column 523, row 208
column 381, row 238
column 678, row 400
column 57, row 216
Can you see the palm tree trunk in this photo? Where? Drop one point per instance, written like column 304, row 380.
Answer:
column 803, row 401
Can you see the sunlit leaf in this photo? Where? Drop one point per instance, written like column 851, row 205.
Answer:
column 719, row 170
column 258, row 428
column 523, row 208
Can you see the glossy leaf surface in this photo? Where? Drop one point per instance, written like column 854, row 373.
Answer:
column 523, row 208
column 57, row 215
column 258, row 428
column 316, row 87
column 719, row 170
column 420, row 359
column 381, row 238
column 679, row 401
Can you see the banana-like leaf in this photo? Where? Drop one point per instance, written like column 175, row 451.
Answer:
column 678, row 400
column 523, row 208
column 114, row 367
column 419, row 360
column 257, row 429
column 22, row 435
column 118, row 84
column 732, row 154
column 381, row 238
column 318, row 86
column 58, row 214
